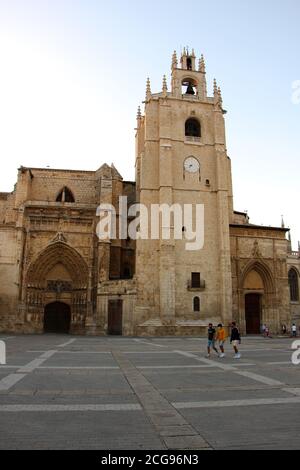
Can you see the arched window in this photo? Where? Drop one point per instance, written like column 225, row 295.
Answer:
column 192, row 128
column 65, row 195
column 196, row 304
column 189, row 63
column 294, row 286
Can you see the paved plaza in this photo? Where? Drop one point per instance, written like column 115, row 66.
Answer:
column 67, row 392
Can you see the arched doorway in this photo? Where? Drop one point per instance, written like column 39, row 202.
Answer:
column 58, row 274
column 57, row 318
column 253, row 313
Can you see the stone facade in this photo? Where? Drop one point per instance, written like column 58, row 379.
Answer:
column 293, row 266
column 53, row 265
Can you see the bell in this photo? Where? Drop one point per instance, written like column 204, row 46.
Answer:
column 190, row 90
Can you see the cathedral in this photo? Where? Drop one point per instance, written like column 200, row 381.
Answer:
column 58, row 276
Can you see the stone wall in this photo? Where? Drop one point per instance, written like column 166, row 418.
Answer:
column 259, row 255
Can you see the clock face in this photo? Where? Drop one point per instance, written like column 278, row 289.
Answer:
column 191, row 165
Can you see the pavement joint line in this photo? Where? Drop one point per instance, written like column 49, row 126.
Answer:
column 279, row 363
column 160, row 411
column 66, row 344
column 79, row 367
column 175, row 367
column 9, row 367
column 185, row 366
column 151, row 344
column 73, row 352
column 63, row 408
column 236, row 403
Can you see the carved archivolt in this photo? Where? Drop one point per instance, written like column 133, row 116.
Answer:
column 58, row 252
column 263, row 270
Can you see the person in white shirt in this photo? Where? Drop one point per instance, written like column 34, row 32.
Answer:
column 294, row 330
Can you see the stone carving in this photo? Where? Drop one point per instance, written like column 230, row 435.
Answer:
column 256, row 253
column 59, row 238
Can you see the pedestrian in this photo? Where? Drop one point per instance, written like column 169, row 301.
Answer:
column 235, row 340
column 283, row 329
column 211, row 340
column 264, row 330
column 294, row 331
column 267, row 332
column 221, row 338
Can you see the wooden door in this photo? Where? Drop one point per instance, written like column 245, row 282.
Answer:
column 253, row 313
column 115, row 326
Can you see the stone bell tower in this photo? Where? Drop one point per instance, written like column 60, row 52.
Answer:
column 181, row 158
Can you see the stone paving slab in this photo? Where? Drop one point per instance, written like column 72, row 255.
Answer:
column 20, row 358
column 42, row 380
column 215, row 395
column 271, row 427
column 160, row 412
column 80, row 430
column 81, row 359
column 196, row 378
column 289, row 375
column 147, row 396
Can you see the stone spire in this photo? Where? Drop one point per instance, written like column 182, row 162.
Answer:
column 139, row 117
column 174, row 61
column 215, row 88
column 148, row 90
column 165, row 86
column 202, row 67
column 289, row 242
column 282, row 222
column 220, row 97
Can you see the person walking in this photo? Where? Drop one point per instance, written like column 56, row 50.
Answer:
column 221, row 338
column 264, row 327
column 294, row 331
column 235, row 340
column 211, row 340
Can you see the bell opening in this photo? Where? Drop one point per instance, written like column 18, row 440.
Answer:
column 189, row 87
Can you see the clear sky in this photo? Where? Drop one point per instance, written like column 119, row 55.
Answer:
column 74, row 71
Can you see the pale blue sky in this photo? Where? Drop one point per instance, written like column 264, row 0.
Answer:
column 73, row 73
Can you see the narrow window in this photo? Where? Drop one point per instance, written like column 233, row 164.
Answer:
column 189, row 63
column 196, row 304
column 294, row 286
